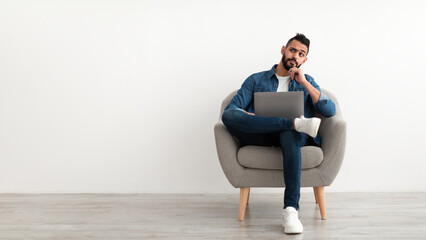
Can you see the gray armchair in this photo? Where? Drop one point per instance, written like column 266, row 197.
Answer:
column 256, row 166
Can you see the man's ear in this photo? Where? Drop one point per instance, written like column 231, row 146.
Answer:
column 305, row 60
column 282, row 50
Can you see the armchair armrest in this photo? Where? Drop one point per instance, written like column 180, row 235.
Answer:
column 333, row 132
column 227, row 148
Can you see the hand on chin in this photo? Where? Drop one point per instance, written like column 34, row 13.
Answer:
column 297, row 74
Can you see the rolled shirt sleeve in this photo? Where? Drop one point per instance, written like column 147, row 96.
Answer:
column 325, row 106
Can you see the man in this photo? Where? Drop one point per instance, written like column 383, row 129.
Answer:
column 290, row 134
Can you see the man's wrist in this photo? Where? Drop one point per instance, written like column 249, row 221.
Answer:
column 304, row 83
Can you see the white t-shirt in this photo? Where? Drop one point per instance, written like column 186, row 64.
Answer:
column 283, row 83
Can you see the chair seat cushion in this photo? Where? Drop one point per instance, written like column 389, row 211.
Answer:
column 271, row 157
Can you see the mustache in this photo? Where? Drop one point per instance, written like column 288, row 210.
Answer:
column 293, row 59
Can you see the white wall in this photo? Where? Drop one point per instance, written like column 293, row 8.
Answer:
column 122, row 96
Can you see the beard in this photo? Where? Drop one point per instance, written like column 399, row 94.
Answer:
column 286, row 62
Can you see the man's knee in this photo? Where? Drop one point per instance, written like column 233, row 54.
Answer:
column 226, row 116
column 230, row 115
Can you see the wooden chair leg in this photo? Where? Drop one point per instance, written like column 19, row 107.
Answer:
column 243, row 202
column 316, row 194
column 321, row 201
column 248, row 196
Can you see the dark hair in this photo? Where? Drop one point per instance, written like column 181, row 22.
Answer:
column 300, row 38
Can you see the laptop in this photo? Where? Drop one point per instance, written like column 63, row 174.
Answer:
column 279, row 104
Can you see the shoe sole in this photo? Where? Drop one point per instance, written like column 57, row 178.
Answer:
column 318, row 120
column 293, row 232
column 319, row 123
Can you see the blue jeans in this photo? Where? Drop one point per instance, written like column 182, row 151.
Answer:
column 266, row 131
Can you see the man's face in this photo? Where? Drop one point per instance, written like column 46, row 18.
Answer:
column 294, row 55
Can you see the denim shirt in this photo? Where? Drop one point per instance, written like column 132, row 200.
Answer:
column 266, row 81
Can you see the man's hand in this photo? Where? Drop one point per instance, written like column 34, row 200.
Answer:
column 298, row 75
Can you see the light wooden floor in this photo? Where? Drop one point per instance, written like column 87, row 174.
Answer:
column 208, row 216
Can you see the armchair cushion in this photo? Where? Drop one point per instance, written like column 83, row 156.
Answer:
column 271, row 157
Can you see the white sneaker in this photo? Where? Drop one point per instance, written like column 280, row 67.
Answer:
column 309, row 126
column 291, row 221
